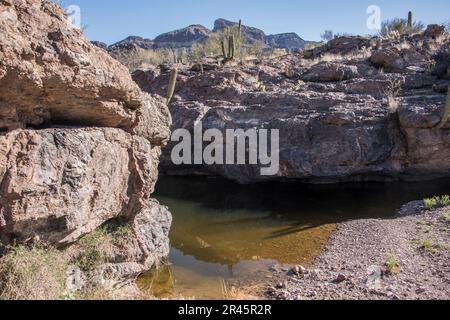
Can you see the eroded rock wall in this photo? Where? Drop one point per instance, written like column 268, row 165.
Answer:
column 356, row 109
column 79, row 141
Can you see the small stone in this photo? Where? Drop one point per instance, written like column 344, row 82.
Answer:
column 420, row 291
column 281, row 285
column 340, row 278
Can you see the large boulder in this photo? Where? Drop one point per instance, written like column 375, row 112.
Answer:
column 330, row 72
column 79, row 141
column 59, row 184
column 50, row 74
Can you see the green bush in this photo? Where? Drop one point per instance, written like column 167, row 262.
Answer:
column 436, row 202
column 392, row 266
column 95, row 246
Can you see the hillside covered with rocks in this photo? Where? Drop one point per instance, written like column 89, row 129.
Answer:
column 355, row 109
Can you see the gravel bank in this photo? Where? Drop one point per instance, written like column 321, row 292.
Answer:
column 405, row 257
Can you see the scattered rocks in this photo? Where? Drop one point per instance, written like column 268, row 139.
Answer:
column 367, row 116
column 347, row 269
column 330, row 72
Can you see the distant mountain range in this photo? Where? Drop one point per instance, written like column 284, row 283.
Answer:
column 186, row 37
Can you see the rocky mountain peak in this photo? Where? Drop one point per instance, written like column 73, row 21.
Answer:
column 250, row 34
column 185, row 37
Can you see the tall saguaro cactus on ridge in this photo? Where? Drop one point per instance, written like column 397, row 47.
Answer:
column 410, row 21
column 232, row 42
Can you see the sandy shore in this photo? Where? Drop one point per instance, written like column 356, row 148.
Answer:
column 404, row 257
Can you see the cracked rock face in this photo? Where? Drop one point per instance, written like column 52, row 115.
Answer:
column 50, row 74
column 59, row 184
column 356, row 109
column 79, row 141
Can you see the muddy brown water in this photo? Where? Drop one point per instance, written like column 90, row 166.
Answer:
column 224, row 233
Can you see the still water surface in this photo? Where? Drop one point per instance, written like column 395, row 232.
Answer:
column 223, row 232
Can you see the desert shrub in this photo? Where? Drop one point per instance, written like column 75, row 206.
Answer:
column 390, row 27
column 442, row 59
column 392, row 266
column 436, row 202
column 446, row 217
column 327, row 35
column 256, row 49
column 428, row 246
column 94, row 247
column 138, row 58
column 33, row 273
column 391, row 93
column 313, row 45
column 277, row 52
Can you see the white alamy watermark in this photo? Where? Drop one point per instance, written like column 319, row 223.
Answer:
column 74, row 15
column 232, row 147
column 374, row 19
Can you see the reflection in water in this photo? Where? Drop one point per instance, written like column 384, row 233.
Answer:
column 223, row 231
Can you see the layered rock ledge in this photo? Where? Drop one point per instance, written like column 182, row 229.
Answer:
column 79, row 141
column 356, row 109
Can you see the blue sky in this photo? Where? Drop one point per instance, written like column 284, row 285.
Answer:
column 112, row 20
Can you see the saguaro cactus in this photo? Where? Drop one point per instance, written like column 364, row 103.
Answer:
column 410, row 21
column 446, row 114
column 240, row 29
column 172, row 84
column 231, row 47
column 232, row 41
column 224, row 51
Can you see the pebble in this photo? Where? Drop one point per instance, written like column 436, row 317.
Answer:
column 340, row 278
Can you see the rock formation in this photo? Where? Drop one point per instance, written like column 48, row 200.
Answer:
column 289, row 41
column 132, row 42
column 79, row 141
column 184, row 39
column 356, row 109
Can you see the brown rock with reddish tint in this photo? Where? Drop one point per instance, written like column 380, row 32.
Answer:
column 79, row 141
column 50, row 74
column 59, row 184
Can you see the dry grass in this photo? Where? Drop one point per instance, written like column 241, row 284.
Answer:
column 404, row 45
column 391, row 93
column 95, row 247
column 33, row 273
column 362, row 54
column 245, row 293
column 138, row 58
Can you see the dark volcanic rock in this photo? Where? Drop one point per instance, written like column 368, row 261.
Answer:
column 250, row 34
column 183, row 38
column 100, row 44
column 350, row 120
column 330, row 72
column 133, row 41
column 288, row 41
